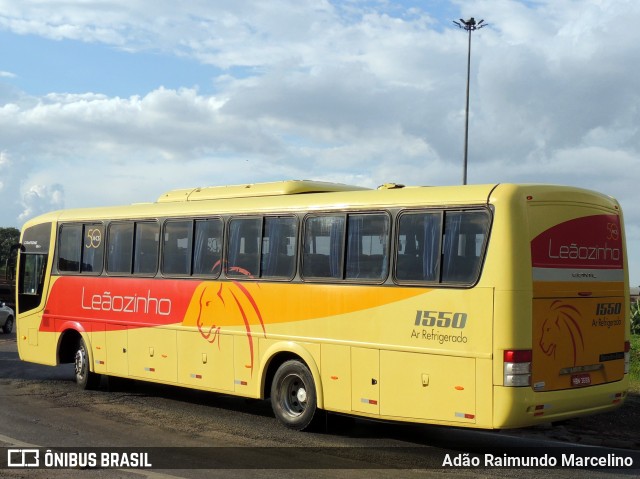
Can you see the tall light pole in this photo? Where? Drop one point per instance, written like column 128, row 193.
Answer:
column 470, row 26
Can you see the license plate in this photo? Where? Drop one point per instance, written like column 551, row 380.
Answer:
column 578, row 380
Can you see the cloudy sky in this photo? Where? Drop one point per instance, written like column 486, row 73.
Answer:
column 117, row 101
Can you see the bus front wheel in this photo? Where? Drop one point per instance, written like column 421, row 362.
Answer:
column 85, row 379
column 293, row 395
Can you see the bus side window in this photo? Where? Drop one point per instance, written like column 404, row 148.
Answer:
column 69, row 248
column 207, row 249
column 243, row 252
column 120, row 250
column 93, row 249
column 367, row 246
column 80, row 248
column 147, row 239
column 418, row 255
column 279, row 247
column 323, row 246
column 464, row 236
column 176, row 247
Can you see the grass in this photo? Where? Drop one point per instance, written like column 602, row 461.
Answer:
column 634, row 372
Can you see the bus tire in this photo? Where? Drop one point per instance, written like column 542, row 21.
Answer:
column 293, row 395
column 85, row 378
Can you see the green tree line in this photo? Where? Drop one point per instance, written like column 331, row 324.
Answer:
column 635, row 317
column 8, row 237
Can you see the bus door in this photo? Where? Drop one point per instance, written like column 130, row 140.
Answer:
column 31, row 285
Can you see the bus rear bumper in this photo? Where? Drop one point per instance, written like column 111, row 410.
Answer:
column 521, row 407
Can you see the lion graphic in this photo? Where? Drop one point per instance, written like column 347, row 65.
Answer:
column 561, row 336
column 226, row 304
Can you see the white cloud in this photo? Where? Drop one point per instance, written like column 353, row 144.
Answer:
column 39, row 199
column 4, row 160
column 227, row 34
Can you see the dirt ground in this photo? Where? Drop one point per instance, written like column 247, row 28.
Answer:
column 619, row 429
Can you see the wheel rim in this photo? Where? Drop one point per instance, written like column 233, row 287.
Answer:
column 294, row 395
column 80, row 363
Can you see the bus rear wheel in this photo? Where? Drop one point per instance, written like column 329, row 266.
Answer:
column 293, row 395
column 85, row 378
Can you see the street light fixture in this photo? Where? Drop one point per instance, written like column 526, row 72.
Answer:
column 470, row 26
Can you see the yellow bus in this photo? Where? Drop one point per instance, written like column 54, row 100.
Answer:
column 487, row 306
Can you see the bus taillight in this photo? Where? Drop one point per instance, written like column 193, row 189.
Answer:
column 627, row 356
column 517, row 367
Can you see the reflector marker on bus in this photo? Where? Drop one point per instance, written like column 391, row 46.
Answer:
column 465, row 415
column 99, row 361
column 150, row 370
column 539, row 409
column 241, row 383
column 368, row 401
column 335, row 378
column 196, row 376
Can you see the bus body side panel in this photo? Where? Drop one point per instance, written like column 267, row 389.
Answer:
column 34, row 346
column 202, row 364
column 418, row 351
column 450, row 333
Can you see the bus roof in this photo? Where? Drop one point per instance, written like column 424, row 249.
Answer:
column 277, row 188
column 298, row 195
